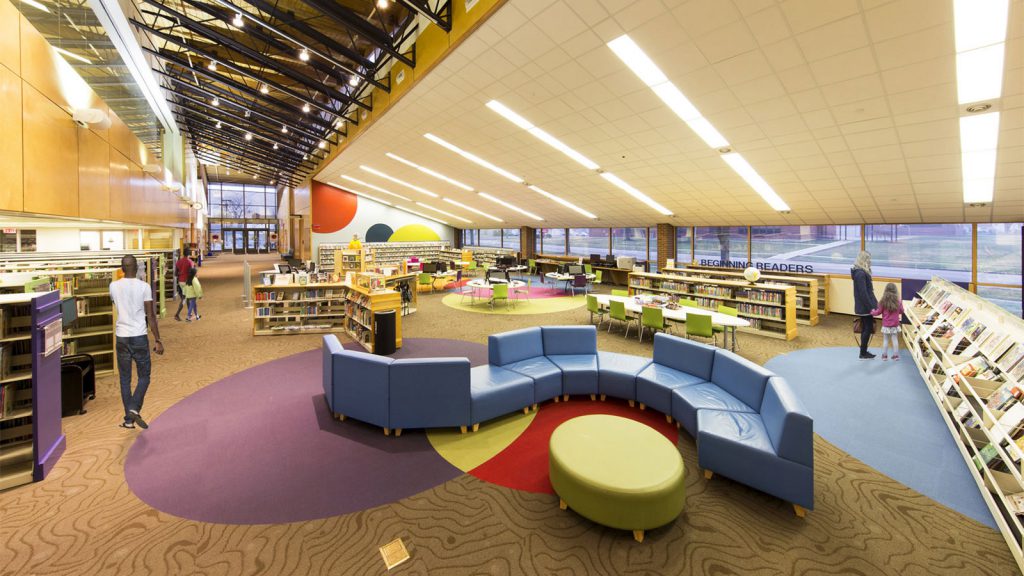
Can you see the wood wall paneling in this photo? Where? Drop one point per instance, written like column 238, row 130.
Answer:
column 51, row 156
column 93, row 175
column 120, row 185
column 11, row 156
column 120, row 135
column 48, row 73
column 10, row 36
column 137, row 198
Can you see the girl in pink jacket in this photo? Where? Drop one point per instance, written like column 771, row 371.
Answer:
column 890, row 308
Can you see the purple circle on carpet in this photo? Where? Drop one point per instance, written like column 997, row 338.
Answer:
column 261, row 447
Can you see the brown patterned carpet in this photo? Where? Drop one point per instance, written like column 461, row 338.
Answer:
column 84, row 520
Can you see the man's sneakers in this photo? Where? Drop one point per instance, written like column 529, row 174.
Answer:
column 127, row 424
column 137, row 419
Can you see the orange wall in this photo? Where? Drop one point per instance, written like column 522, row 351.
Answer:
column 48, row 165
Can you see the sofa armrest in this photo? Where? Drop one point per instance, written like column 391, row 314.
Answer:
column 331, row 345
column 789, row 426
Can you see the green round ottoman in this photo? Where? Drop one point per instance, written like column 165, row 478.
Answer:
column 617, row 472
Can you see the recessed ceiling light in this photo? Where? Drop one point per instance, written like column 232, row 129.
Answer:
column 372, row 187
column 212, row 66
column 215, row 101
column 471, row 209
column 430, row 172
column 353, row 81
column 382, row 4
column 358, row 193
column 439, row 211
column 305, row 107
column 501, row 202
column 473, row 158
column 264, row 89
column 740, row 165
column 248, row 136
column 419, row 189
column 543, row 136
column 321, row 145
column 979, row 74
column 623, row 185
column 979, row 140
column 977, row 24
column 561, row 201
column 238, row 22
column 304, row 55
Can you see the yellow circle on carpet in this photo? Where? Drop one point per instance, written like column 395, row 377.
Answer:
column 469, row 450
column 522, row 306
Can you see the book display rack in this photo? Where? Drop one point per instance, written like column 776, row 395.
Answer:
column 351, row 261
column 770, row 308
column 393, row 254
column 807, row 290
column 325, row 256
column 362, row 303
column 970, row 353
column 298, row 308
column 486, row 256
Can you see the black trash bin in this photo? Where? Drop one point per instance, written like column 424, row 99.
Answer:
column 384, row 332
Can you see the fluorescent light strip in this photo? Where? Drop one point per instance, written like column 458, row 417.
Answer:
column 980, row 34
column 979, row 140
column 72, row 55
column 565, row 203
column 471, row 209
column 358, row 193
column 430, row 172
column 372, row 187
column 622, row 184
column 508, row 114
column 422, row 215
column 746, row 171
column 510, row 206
column 473, row 158
column 979, row 74
column 977, row 24
column 36, row 5
column 438, row 210
column 399, row 182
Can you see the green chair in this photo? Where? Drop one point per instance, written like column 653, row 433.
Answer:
column 617, row 311
column 531, row 267
column 589, row 268
column 597, row 277
column 700, row 325
column 499, row 292
column 723, row 309
column 471, row 268
column 654, row 318
column 594, row 307
column 688, row 302
column 424, row 279
column 523, row 290
column 620, row 292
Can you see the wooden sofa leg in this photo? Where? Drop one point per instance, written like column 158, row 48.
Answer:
column 678, row 424
column 558, row 399
column 668, row 418
column 643, row 406
column 801, row 512
column 398, row 432
column 632, row 403
column 565, row 397
column 562, row 504
column 534, row 406
column 387, row 431
column 708, row 474
column 462, row 429
column 593, row 397
column 476, row 427
column 638, row 535
column 526, row 409
column 604, row 397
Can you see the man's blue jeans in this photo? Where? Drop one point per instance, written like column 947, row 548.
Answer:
column 128, row 349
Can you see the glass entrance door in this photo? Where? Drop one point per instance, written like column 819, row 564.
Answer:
column 261, row 241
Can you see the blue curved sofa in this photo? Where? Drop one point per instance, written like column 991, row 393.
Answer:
column 747, row 423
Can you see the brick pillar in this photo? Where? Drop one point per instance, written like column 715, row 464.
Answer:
column 666, row 243
column 457, row 242
column 527, row 242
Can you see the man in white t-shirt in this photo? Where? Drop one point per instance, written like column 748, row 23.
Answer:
column 133, row 300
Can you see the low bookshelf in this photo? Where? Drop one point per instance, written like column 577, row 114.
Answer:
column 348, row 260
column 807, row 292
column 970, row 354
column 298, row 308
column 363, row 301
column 824, row 280
column 770, row 308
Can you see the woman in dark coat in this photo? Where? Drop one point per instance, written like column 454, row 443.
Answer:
column 864, row 300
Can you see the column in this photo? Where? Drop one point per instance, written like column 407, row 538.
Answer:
column 666, row 244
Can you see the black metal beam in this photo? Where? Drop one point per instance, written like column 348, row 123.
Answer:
column 268, row 155
column 442, row 18
column 240, row 162
column 200, row 116
column 238, row 47
column 349, row 19
column 261, row 158
column 233, row 164
column 272, row 138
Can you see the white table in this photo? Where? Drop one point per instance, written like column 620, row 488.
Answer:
column 480, row 283
column 731, row 323
column 568, row 278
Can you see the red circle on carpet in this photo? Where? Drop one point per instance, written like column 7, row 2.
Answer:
column 523, row 464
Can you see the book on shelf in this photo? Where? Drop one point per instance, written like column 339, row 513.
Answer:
column 1011, row 358
column 1004, row 397
column 987, row 454
column 7, row 392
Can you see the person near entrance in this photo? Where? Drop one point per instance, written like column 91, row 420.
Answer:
column 133, row 300
column 181, row 268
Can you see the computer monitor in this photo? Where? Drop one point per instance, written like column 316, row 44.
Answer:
column 595, row 258
column 505, row 261
column 575, row 269
column 609, row 258
column 430, row 267
column 68, row 312
column 442, row 266
column 283, row 268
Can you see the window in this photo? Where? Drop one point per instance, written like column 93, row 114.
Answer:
column 469, row 237
column 538, row 241
column 999, row 253
column 684, row 244
column 233, row 207
column 587, row 241
column 510, row 238
column 822, row 248
column 1008, row 298
column 9, row 240
column 490, row 237
column 554, row 241
column 89, row 239
column 721, row 246
column 630, row 242
column 27, row 240
column 920, row 251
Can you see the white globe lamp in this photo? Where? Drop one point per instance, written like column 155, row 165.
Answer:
column 752, row 274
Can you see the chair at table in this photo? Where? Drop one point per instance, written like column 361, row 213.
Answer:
column 531, row 267
column 458, row 279
column 588, row 268
column 467, row 290
column 471, row 269
column 524, row 289
column 594, row 307
column 700, row 325
column 620, row 292
column 597, row 278
column 654, row 318
column 425, row 279
column 617, row 311
column 723, row 309
column 499, row 292
column 688, row 302
column 579, row 281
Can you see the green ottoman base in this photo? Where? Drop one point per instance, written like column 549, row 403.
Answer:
column 617, row 472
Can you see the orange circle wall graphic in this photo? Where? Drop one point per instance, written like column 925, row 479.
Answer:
column 333, row 208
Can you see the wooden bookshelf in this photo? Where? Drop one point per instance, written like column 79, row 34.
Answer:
column 348, row 261
column 325, row 255
column 970, row 354
column 393, row 254
column 770, row 308
column 360, row 307
column 298, row 308
column 486, row 256
column 31, row 439
column 824, row 281
column 807, row 290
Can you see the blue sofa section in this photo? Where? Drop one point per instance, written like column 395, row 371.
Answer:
column 748, row 424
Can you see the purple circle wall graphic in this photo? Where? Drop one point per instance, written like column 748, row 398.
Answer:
column 379, row 233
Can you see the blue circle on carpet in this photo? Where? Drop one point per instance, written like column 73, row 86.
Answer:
column 379, row 233
column 261, row 447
